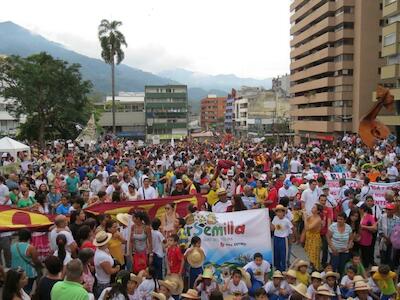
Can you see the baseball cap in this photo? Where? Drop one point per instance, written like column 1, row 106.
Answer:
column 230, row 173
column 178, row 181
column 390, row 206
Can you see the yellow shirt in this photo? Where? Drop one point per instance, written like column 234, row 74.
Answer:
column 212, row 197
column 169, row 174
column 115, row 247
column 303, row 278
column 261, row 194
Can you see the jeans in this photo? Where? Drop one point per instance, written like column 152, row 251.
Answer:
column 158, row 266
column 5, row 246
column 98, row 289
column 339, row 261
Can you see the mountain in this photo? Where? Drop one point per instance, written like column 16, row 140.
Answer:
column 219, row 82
column 17, row 40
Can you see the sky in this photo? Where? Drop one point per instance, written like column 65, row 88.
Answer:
column 248, row 38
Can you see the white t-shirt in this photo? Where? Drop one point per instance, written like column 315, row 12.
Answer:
column 145, row 288
column 147, row 194
column 271, row 289
column 259, row 271
column 101, row 256
column 240, row 288
column 157, row 239
column 67, row 258
column 311, row 291
column 110, row 189
column 309, row 198
column 283, row 192
column 221, row 207
column 283, row 227
column 116, row 297
column 295, row 166
column 347, row 282
column 53, row 236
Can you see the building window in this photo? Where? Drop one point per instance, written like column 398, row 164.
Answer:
column 394, row 19
column 393, row 59
column 388, row 2
column 389, row 39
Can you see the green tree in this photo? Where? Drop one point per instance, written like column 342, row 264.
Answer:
column 111, row 41
column 49, row 92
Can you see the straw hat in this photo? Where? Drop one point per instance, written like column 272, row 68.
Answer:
column 221, row 191
column 361, row 286
column 331, row 274
column 301, row 263
column 359, row 278
column 246, row 277
column 196, row 258
column 291, row 273
column 170, row 285
column 177, row 281
column 300, row 288
column 316, row 275
column 158, row 296
column 277, row 274
column 136, row 278
column 374, row 269
column 191, row 294
column 324, row 291
column 280, row 207
column 207, row 273
column 102, row 238
column 123, row 218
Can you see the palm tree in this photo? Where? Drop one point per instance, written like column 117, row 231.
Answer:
column 111, row 41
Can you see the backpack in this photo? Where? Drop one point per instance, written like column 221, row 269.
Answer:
column 395, row 237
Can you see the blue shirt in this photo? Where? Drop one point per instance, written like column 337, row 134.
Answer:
column 249, row 202
column 82, row 172
column 63, row 210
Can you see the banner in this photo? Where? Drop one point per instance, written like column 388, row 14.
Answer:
column 232, row 238
column 13, row 219
column 153, row 207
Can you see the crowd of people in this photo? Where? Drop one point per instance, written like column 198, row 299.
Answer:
column 349, row 240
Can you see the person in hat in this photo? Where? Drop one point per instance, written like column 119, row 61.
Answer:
column 330, row 279
column 347, row 282
column 195, row 256
column 301, row 267
column 103, row 262
column 168, row 288
column 117, row 241
column 157, row 296
column 299, row 291
column 190, row 294
column 258, row 270
column 273, row 287
column 375, row 291
column 229, row 184
column 385, row 226
column 316, row 281
column 236, row 284
column 205, row 284
column 223, row 203
column 290, row 279
column 124, row 286
column 179, row 188
column 362, row 290
column 323, row 293
column 282, row 228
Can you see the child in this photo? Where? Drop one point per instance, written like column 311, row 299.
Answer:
column 282, row 228
column 149, row 284
column 195, row 270
column 301, row 274
column 183, row 237
column 286, row 285
column 53, row 197
column 356, row 263
column 63, row 208
column 328, row 268
column 258, row 270
column 330, row 279
column 347, row 283
column 375, row 291
column 158, row 247
column 235, row 286
column 316, row 280
column 260, row 294
column 175, row 259
column 205, row 284
column 385, row 279
column 273, row 288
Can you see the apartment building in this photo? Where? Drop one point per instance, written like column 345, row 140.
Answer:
column 213, row 113
column 335, row 65
column 390, row 72
column 166, row 112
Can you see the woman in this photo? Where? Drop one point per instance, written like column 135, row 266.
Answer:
column 132, row 193
column 76, row 220
column 115, row 244
column 123, row 288
column 86, row 256
column 340, row 241
column 16, row 280
column 368, row 227
column 63, row 255
column 237, row 204
column 103, row 262
column 261, row 192
column 42, row 190
column 53, row 270
column 25, row 201
column 354, row 221
column 141, row 241
column 169, row 221
column 25, row 256
column 313, row 243
column 85, row 238
column 40, row 240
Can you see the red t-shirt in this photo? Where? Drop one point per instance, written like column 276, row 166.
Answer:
column 175, row 258
column 326, row 215
column 88, row 244
column 272, row 196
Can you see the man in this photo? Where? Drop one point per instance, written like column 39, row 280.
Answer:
column 61, row 228
column 385, row 226
column 346, row 202
column 365, row 190
column 295, row 165
column 111, row 188
column 179, row 188
column 222, row 204
column 229, row 184
column 310, row 196
column 342, row 188
column 392, row 172
column 248, row 198
column 4, row 193
column 12, row 181
column 72, row 183
column 97, row 184
column 147, row 192
column 124, row 183
column 285, row 191
column 376, row 210
column 330, row 200
column 71, row 287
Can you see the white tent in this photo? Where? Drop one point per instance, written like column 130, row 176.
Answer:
column 8, row 145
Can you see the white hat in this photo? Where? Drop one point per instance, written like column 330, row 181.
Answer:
column 5, row 154
column 102, row 238
column 178, row 181
column 230, row 173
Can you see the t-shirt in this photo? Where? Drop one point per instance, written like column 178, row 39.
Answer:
column 240, row 288
column 72, row 184
column 259, row 271
column 67, row 257
column 283, row 227
column 44, row 288
column 385, row 282
column 4, row 195
column 147, row 194
column 146, row 287
column 340, row 240
column 174, row 258
column 101, row 256
column 366, row 235
column 206, row 292
column 118, row 296
column 270, row 288
column 62, row 209
column 68, row 290
column 157, row 239
column 360, row 268
column 53, row 236
column 221, row 207
column 309, row 198
column 347, row 282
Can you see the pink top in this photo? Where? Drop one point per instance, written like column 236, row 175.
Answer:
column 366, row 235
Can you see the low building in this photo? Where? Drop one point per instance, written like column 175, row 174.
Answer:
column 8, row 123
column 166, row 112
column 213, row 113
column 129, row 115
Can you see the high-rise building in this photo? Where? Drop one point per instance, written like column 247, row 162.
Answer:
column 166, row 112
column 335, row 65
column 390, row 73
column 213, row 113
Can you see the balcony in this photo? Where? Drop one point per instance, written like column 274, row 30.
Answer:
column 321, row 111
column 168, row 125
column 394, row 48
column 391, row 71
column 321, row 126
column 321, row 83
column 390, row 9
column 166, row 105
column 322, row 97
column 322, row 68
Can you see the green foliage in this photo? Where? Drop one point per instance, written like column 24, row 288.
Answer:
column 111, row 41
column 49, row 92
